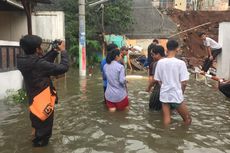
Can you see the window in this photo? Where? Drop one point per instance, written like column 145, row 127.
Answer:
column 8, row 55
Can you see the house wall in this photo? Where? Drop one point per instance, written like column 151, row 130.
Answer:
column 205, row 5
column 47, row 24
column 218, row 5
column 210, row 5
column 12, row 25
column 11, row 80
column 180, row 4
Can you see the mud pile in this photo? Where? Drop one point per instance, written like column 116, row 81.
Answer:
column 192, row 46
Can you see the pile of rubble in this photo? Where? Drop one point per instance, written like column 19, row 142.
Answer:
column 208, row 21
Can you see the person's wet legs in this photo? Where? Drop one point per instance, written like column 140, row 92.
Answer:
column 43, row 130
column 208, row 63
column 184, row 113
column 166, row 114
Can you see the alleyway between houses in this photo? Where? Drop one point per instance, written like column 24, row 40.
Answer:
column 83, row 125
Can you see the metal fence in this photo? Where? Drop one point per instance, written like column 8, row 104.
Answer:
column 8, row 57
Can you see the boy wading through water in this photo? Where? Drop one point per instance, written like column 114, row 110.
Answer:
column 36, row 70
column 173, row 75
column 157, row 53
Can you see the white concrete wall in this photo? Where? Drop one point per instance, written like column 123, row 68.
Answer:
column 49, row 25
column 9, row 43
column 13, row 25
column 223, row 61
column 11, row 80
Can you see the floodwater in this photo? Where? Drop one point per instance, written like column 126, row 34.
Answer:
column 83, row 124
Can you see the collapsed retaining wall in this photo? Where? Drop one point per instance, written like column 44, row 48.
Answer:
column 192, row 46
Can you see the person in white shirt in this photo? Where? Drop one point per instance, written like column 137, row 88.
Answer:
column 212, row 47
column 173, row 75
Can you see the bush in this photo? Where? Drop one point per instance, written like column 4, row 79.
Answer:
column 18, row 96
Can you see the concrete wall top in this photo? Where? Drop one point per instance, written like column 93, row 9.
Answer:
column 49, row 25
column 9, row 43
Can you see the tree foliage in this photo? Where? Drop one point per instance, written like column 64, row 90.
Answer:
column 117, row 19
column 118, row 16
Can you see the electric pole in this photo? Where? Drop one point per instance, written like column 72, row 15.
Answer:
column 82, row 39
column 82, row 42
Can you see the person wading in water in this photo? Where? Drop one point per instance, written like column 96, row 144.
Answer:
column 36, row 70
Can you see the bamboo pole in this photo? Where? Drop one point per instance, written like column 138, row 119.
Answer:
column 190, row 29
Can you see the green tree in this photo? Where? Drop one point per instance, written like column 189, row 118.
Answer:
column 118, row 16
column 117, row 19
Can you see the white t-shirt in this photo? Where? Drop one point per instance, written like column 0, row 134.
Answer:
column 211, row 43
column 171, row 72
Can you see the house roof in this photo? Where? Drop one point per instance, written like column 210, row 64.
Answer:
column 16, row 4
column 10, row 5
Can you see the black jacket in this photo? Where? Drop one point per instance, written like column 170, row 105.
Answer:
column 37, row 70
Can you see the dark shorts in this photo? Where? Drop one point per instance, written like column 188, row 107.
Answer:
column 173, row 105
column 118, row 105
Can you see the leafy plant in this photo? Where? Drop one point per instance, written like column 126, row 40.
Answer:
column 18, row 96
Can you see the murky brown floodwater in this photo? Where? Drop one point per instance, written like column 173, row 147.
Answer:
column 83, row 125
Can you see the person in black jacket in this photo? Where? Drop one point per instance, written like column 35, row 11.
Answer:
column 36, row 70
